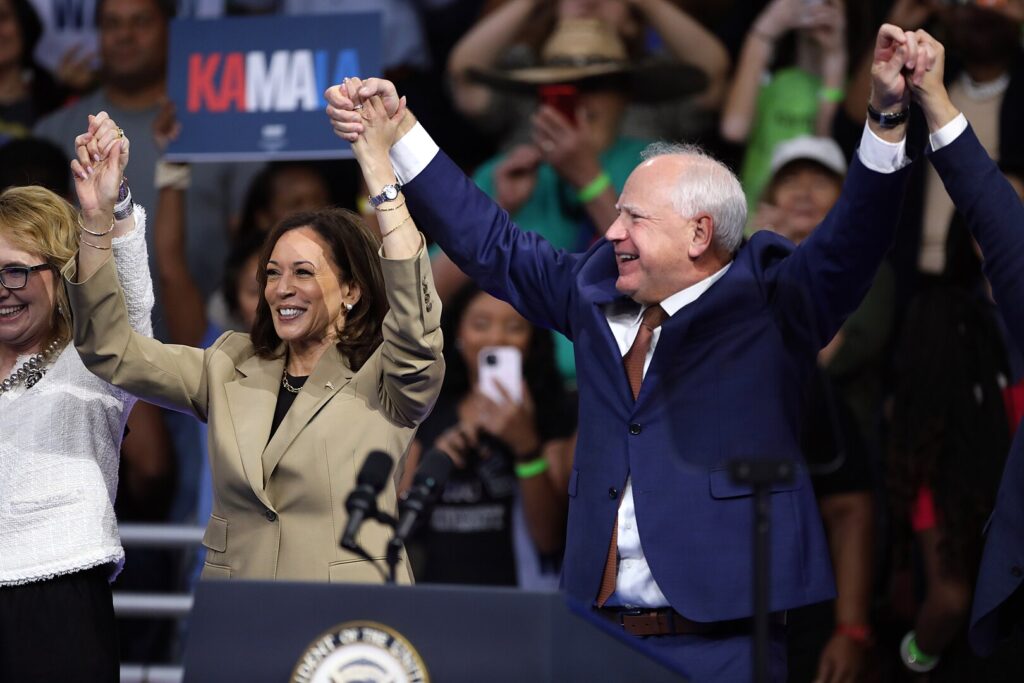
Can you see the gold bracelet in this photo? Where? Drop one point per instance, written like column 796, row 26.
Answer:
column 404, row 221
column 392, row 208
column 81, row 226
column 94, row 246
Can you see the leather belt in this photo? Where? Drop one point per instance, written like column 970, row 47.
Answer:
column 666, row 621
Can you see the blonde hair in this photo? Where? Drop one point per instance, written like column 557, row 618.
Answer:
column 37, row 220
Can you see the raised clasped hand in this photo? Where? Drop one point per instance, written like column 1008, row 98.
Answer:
column 379, row 128
column 899, row 63
column 101, row 155
column 345, row 103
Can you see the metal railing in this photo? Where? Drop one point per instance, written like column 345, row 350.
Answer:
column 155, row 605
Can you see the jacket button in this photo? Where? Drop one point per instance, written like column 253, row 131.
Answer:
column 270, row 515
column 1017, row 571
column 634, row 429
column 613, row 493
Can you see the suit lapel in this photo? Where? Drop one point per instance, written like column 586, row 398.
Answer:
column 252, row 400
column 329, row 376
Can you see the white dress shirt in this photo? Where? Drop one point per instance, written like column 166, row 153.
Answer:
column 635, row 586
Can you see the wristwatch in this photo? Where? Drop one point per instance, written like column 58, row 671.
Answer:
column 388, row 193
column 888, row 119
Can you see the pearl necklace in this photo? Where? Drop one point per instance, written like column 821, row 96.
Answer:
column 983, row 91
column 32, row 370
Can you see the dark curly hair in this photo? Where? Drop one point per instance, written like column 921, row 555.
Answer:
column 354, row 249
column 949, row 425
column 539, row 368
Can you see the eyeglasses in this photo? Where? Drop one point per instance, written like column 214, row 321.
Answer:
column 16, row 277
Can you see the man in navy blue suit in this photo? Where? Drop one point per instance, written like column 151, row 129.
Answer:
column 995, row 216
column 691, row 351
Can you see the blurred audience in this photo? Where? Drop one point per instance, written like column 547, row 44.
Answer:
column 27, row 91
column 514, row 33
column 133, row 64
column 506, row 454
column 949, row 439
column 788, row 82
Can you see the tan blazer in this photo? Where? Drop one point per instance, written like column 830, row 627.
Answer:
column 279, row 506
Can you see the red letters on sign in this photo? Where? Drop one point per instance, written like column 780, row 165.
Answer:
column 204, row 93
column 201, row 86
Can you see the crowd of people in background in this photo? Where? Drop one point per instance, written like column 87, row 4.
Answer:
column 917, row 397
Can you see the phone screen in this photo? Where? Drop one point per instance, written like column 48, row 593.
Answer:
column 563, row 98
column 501, row 365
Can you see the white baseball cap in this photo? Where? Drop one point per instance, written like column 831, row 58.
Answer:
column 824, row 151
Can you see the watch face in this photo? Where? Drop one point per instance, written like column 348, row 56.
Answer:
column 390, row 192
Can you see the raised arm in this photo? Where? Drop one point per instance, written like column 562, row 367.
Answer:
column 111, row 324
column 825, row 279
column 980, row 192
column 691, row 43
column 776, row 20
column 481, row 46
column 517, row 266
column 413, row 367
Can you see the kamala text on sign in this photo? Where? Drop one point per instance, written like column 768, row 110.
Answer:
column 287, row 81
column 252, row 87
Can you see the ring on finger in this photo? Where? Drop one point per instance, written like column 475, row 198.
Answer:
column 357, row 107
column 120, row 133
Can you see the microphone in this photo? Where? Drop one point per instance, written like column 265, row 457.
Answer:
column 426, row 487
column 362, row 501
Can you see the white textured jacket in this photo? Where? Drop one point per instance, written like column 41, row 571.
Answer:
column 59, row 448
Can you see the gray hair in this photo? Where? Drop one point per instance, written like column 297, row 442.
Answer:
column 707, row 185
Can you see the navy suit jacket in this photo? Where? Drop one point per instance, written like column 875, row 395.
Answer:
column 725, row 382
column 996, row 218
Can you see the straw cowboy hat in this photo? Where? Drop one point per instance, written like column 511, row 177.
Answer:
column 590, row 54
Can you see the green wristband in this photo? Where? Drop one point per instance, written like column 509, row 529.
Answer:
column 594, row 188
column 526, row 470
column 833, row 95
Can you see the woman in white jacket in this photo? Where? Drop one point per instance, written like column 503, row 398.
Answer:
column 60, row 425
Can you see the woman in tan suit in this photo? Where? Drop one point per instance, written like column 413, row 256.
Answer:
column 344, row 358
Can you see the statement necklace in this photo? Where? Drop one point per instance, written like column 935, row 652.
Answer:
column 32, row 370
column 286, row 385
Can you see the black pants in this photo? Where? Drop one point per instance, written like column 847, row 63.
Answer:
column 61, row 629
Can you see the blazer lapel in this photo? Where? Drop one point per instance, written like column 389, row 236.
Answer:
column 252, row 400
column 329, row 376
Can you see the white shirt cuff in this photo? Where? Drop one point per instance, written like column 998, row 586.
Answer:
column 411, row 153
column 879, row 155
column 948, row 133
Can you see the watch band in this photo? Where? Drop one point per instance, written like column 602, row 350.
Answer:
column 888, row 119
column 387, row 194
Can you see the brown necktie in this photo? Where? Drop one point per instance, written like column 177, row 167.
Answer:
column 633, row 362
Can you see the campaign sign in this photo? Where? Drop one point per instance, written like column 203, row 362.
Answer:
column 251, row 88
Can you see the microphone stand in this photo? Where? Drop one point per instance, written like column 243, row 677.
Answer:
column 761, row 474
column 388, row 520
